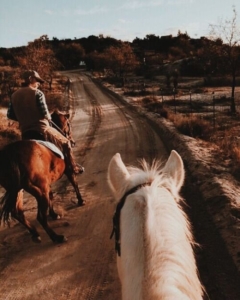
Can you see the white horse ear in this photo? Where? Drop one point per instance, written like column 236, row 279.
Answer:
column 174, row 168
column 117, row 173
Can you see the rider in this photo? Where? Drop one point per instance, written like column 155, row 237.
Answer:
column 28, row 107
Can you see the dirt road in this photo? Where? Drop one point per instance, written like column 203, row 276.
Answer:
column 84, row 267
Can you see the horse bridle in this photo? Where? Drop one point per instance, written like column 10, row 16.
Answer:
column 116, row 216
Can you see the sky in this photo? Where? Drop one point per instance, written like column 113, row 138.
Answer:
column 22, row 21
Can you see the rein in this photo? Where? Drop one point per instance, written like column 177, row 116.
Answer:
column 116, row 216
column 58, row 128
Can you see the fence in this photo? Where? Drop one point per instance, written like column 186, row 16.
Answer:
column 213, row 106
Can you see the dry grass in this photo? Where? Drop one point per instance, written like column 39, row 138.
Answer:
column 191, row 125
column 224, row 134
column 228, row 141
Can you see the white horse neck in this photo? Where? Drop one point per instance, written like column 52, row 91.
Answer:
column 160, row 260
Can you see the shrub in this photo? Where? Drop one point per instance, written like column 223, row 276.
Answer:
column 191, row 125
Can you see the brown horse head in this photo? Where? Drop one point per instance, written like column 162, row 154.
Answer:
column 60, row 120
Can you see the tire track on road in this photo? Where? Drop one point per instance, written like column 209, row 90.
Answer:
column 96, row 119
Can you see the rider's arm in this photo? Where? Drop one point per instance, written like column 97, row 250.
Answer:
column 42, row 105
column 10, row 112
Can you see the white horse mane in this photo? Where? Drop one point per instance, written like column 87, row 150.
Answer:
column 157, row 259
column 152, row 173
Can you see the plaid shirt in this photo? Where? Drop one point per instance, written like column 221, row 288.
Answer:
column 41, row 103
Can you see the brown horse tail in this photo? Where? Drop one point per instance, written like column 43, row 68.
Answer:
column 7, row 204
column 9, row 199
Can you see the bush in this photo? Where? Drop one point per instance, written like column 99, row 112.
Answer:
column 191, row 125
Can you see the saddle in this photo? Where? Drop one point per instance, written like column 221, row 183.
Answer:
column 52, row 147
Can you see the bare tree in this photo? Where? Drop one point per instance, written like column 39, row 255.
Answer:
column 226, row 34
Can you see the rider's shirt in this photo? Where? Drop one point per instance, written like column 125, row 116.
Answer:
column 28, row 107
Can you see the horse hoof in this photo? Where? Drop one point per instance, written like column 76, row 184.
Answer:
column 60, row 239
column 81, row 203
column 64, row 239
column 78, row 169
column 56, row 217
column 36, row 239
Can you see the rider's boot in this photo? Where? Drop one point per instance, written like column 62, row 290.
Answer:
column 70, row 162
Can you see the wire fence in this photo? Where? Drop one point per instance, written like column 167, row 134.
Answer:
column 211, row 104
column 214, row 107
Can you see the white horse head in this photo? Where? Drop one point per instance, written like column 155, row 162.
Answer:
column 156, row 259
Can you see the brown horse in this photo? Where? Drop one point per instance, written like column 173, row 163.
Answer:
column 30, row 166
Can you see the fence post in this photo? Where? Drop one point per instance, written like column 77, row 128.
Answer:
column 190, row 94
column 174, row 97
column 161, row 91
column 214, row 112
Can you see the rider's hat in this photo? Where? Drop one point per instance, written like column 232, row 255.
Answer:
column 31, row 73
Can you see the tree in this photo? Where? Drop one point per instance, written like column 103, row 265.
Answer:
column 39, row 56
column 70, row 54
column 226, row 35
column 120, row 60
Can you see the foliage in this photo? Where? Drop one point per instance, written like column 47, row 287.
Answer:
column 120, row 60
column 70, row 54
column 8, row 82
column 8, row 129
column 115, row 61
column 39, row 56
column 32, row 55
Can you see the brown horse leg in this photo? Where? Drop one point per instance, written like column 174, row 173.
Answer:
column 52, row 213
column 72, row 178
column 17, row 213
column 43, row 205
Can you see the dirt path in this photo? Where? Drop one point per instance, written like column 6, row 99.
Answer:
column 84, row 267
